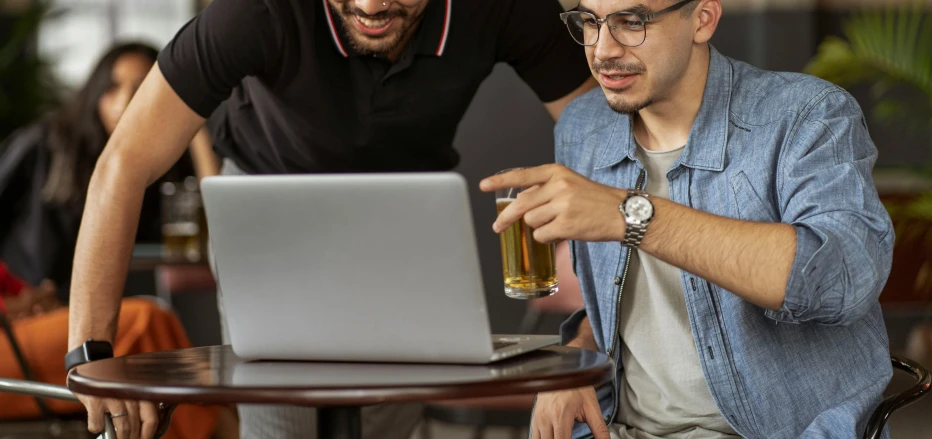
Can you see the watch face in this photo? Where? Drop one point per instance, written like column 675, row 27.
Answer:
column 639, row 208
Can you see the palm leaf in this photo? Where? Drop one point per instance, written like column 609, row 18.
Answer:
column 891, row 49
column 27, row 87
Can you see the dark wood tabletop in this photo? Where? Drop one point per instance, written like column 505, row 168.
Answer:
column 215, row 375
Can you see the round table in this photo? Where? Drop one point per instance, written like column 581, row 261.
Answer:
column 215, row 375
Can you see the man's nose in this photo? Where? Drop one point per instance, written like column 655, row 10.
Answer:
column 372, row 7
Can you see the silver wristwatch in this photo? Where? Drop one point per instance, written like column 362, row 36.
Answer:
column 638, row 212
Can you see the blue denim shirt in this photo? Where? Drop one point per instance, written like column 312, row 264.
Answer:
column 766, row 147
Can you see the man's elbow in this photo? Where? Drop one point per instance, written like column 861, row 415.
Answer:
column 855, row 299
column 839, row 300
column 116, row 171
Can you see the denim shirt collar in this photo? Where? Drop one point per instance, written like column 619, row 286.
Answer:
column 705, row 148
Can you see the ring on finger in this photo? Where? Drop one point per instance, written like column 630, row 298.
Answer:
column 117, row 415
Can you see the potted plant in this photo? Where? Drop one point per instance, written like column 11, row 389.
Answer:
column 891, row 51
column 27, row 87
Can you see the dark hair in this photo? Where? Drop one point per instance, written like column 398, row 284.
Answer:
column 688, row 9
column 76, row 134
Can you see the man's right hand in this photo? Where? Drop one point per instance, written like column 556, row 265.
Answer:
column 136, row 420
column 556, row 412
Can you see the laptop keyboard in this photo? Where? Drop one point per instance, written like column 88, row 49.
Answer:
column 496, row 345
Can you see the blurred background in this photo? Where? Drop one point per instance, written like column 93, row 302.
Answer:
column 879, row 50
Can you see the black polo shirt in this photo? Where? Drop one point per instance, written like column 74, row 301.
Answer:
column 301, row 100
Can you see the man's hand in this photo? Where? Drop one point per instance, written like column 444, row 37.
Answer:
column 560, row 204
column 33, row 301
column 132, row 419
column 556, row 412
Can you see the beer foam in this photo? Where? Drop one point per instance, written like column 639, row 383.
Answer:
column 504, row 200
column 186, row 228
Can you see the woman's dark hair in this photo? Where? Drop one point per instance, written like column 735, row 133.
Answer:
column 76, row 134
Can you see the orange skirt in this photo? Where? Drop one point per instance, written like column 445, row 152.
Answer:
column 144, row 326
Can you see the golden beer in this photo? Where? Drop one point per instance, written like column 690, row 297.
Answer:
column 528, row 266
column 181, row 240
column 184, row 224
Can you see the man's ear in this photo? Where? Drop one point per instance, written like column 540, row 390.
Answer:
column 707, row 14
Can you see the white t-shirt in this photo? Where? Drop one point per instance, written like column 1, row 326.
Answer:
column 663, row 391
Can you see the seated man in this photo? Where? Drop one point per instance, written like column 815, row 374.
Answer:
column 743, row 297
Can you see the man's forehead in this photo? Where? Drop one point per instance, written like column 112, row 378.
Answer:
column 602, row 7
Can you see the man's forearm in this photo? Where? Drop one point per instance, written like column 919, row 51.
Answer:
column 151, row 136
column 103, row 250
column 752, row 260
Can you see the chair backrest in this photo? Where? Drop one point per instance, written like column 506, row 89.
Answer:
column 909, row 396
column 7, row 327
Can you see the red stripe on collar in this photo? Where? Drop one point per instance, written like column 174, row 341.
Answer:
column 333, row 29
column 446, row 29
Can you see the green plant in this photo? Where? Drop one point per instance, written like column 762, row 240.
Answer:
column 27, row 87
column 890, row 49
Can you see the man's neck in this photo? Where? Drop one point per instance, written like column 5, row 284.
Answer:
column 665, row 124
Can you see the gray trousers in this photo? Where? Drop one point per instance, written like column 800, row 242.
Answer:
column 386, row 421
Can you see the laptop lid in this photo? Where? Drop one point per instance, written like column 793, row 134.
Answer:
column 348, row 267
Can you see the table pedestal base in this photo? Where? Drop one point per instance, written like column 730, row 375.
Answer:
column 339, row 423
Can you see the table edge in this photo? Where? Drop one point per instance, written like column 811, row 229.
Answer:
column 357, row 396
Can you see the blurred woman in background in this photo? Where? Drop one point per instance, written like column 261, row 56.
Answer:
column 45, row 170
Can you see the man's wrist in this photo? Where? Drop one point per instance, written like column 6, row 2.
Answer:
column 91, row 350
column 621, row 225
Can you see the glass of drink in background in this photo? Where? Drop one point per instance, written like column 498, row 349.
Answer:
column 528, row 266
column 182, row 223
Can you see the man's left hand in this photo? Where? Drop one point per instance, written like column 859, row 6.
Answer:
column 560, row 204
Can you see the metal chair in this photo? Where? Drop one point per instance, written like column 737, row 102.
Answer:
column 910, row 395
column 51, row 424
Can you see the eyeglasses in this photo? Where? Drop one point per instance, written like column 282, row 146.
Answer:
column 627, row 28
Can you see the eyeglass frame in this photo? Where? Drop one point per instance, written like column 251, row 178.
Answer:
column 644, row 20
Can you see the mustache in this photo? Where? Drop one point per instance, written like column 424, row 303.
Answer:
column 618, row 66
column 349, row 9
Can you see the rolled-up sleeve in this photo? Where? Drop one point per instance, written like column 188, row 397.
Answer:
column 569, row 329
column 844, row 236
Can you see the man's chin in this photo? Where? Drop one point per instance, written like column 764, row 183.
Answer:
column 369, row 45
column 627, row 106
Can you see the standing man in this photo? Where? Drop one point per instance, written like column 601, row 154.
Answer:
column 311, row 86
column 729, row 241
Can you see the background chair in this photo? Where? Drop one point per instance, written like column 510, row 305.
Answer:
column 49, row 424
column 52, row 425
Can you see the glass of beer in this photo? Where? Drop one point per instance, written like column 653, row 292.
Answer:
column 528, row 266
column 181, row 220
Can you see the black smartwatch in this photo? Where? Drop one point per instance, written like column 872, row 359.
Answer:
column 91, row 350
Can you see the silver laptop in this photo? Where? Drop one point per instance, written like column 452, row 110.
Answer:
column 352, row 267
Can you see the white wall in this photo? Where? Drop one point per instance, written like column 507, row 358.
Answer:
column 79, row 31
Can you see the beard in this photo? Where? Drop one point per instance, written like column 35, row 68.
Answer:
column 629, row 107
column 618, row 103
column 382, row 45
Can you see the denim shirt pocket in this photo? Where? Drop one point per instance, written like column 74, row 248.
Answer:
column 748, row 202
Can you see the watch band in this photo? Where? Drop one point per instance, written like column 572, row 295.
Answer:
column 634, row 234
column 634, row 230
column 91, row 350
